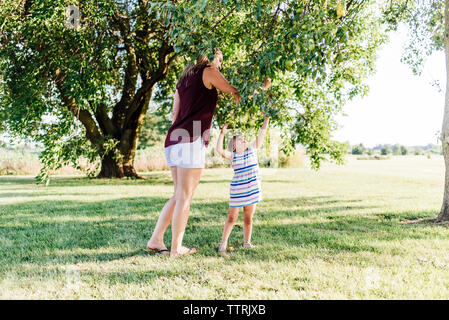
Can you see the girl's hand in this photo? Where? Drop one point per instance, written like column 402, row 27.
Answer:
column 224, row 129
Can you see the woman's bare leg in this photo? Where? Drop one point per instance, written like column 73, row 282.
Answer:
column 248, row 213
column 157, row 239
column 188, row 179
column 229, row 224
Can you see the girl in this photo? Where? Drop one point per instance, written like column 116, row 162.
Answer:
column 245, row 188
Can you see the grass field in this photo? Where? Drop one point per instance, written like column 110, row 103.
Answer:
column 358, row 231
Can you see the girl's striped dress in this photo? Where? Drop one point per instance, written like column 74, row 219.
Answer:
column 245, row 186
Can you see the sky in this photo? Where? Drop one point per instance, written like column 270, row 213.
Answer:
column 400, row 107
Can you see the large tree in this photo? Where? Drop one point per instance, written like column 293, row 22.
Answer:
column 444, row 213
column 428, row 22
column 84, row 92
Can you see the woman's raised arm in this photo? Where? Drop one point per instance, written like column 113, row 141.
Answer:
column 213, row 77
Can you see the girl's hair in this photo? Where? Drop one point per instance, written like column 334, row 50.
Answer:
column 232, row 142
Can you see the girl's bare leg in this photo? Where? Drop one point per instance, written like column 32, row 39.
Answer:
column 157, row 239
column 188, row 179
column 229, row 224
column 248, row 213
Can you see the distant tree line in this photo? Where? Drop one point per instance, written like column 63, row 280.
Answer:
column 396, row 149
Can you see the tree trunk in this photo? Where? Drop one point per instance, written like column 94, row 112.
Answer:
column 129, row 171
column 128, row 129
column 110, row 168
column 130, row 136
column 444, row 214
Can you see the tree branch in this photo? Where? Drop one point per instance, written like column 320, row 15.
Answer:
column 84, row 116
column 129, row 87
column 163, row 64
column 222, row 19
column 105, row 123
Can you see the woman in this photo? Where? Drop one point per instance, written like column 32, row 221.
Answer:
column 194, row 106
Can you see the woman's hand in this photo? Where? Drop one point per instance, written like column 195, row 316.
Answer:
column 236, row 97
column 266, row 84
column 213, row 78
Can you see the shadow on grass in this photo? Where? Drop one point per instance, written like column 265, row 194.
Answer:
column 151, row 178
column 17, row 180
column 68, row 208
column 73, row 181
column 19, row 194
column 38, row 231
column 432, row 222
column 40, row 234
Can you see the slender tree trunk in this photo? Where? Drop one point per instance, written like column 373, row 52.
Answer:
column 444, row 214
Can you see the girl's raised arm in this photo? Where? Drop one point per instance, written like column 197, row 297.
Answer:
column 224, row 153
column 259, row 140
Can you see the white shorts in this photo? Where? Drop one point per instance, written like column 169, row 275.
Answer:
column 187, row 155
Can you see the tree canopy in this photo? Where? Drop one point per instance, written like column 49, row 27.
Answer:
column 425, row 21
column 84, row 92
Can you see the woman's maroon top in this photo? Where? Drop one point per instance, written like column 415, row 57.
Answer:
column 196, row 109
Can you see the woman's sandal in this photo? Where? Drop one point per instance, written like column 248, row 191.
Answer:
column 158, row 251
column 155, row 250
